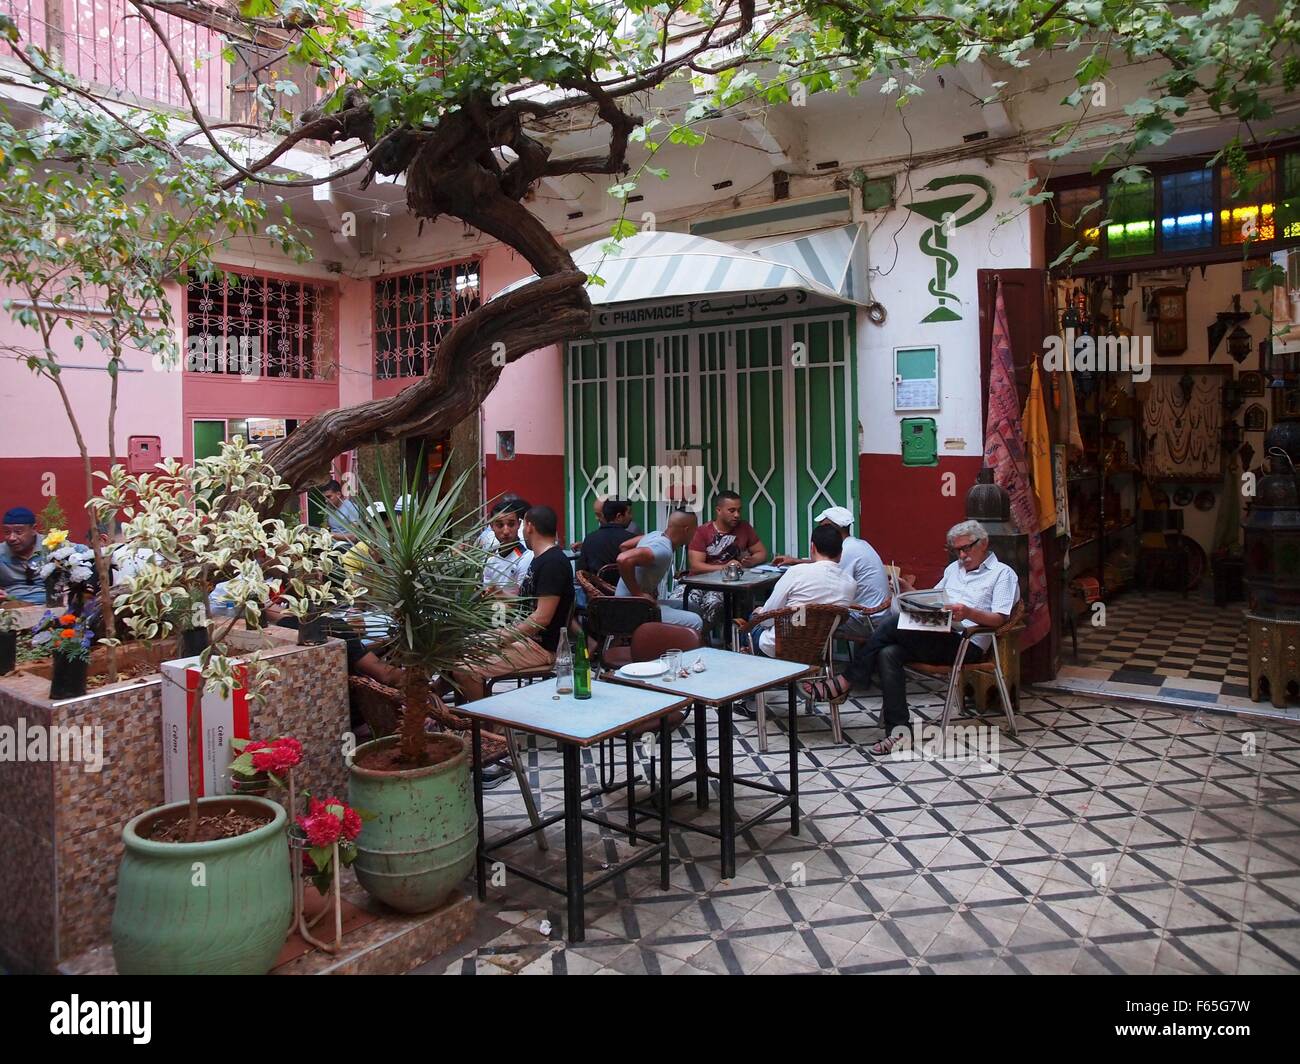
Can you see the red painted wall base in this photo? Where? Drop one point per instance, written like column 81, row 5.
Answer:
column 31, row 481
column 907, row 510
column 539, row 478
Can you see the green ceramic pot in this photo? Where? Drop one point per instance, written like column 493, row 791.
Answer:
column 420, row 841
column 210, row 908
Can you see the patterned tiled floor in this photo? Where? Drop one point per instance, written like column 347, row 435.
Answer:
column 1107, row 838
column 1185, row 651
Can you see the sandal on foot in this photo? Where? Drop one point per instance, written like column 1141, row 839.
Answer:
column 824, row 691
column 885, row 746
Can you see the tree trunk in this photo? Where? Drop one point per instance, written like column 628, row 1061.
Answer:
column 415, row 710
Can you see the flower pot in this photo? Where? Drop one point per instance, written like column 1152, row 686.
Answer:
column 311, row 632
column 193, row 642
column 257, row 785
column 8, row 651
column 234, row 922
column 69, row 678
column 422, row 838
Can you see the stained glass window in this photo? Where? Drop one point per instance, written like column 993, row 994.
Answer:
column 1132, row 228
column 1288, row 211
column 252, row 324
column 1187, row 210
column 1072, row 224
column 414, row 311
column 1247, row 208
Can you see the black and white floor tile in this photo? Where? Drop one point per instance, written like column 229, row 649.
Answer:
column 1116, row 838
column 1184, row 651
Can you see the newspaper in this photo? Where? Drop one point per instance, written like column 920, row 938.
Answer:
column 923, row 611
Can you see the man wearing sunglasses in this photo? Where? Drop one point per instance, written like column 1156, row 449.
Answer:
column 983, row 591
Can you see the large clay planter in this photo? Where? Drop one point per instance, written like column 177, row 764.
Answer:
column 234, row 924
column 424, row 832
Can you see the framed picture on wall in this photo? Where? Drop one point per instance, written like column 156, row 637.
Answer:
column 1252, row 383
column 1255, row 418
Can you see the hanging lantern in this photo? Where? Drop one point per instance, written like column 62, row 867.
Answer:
column 1239, row 341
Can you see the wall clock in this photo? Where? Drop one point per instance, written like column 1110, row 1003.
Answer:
column 1170, row 321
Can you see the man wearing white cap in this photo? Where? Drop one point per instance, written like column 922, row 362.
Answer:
column 858, row 559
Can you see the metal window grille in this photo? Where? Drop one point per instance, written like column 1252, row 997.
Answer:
column 289, row 325
column 414, row 311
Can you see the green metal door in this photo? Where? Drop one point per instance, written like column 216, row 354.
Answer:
column 767, row 409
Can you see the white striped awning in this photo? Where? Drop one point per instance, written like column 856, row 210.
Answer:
column 662, row 265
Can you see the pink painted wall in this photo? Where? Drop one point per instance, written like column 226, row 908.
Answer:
column 528, row 399
column 38, row 453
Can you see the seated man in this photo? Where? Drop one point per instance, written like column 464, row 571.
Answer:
column 821, row 582
column 21, row 558
column 339, row 511
column 728, row 537
column 487, row 538
column 984, row 592
column 548, row 587
column 603, row 546
column 859, row 559
column 505, row 571
column 642, row 568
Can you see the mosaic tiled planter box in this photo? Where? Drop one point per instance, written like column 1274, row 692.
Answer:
column 61, row 826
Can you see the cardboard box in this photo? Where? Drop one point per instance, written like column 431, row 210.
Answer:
column 218, row 721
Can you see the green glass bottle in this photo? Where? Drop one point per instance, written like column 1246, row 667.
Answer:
column 581, row 670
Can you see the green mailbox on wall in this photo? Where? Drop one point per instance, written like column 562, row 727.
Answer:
column 920, row 441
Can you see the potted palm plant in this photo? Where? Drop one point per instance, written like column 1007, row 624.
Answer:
column 422, row 569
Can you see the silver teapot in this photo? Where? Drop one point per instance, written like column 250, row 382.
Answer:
column 733, row 571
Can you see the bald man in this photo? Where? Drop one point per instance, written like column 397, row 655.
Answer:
column 642, row 568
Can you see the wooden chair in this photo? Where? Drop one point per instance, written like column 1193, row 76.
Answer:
column 958, row 672
column 381, row 706
column 803, row 634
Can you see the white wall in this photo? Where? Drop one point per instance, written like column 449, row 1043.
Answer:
column 900, row 274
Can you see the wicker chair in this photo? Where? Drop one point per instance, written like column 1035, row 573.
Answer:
column 380, row 707
column 803, row 634
column 958, row 672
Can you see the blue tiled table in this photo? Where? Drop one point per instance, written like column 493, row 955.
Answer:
column 613, row 709
column 727, row 677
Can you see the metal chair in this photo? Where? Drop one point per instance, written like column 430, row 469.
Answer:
column 803, row 634
column 649, row 642
column 612, row 620
column 957, row 671
column 381, row 707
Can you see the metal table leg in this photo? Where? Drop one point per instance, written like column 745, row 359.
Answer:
column 701, row 758
column 480, row 859
column 666, row 782
column 794, row 762
column 727, row 795
column 573, row 843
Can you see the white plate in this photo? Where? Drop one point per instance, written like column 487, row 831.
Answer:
column 642, row 670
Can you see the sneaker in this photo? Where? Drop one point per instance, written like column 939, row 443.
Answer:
column 495, row 775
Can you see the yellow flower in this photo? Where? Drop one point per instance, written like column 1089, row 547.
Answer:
column 55, row 539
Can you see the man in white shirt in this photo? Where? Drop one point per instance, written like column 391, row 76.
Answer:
column 859, row 560
column 505, row 570
column 984, row 593
column 821, row 582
